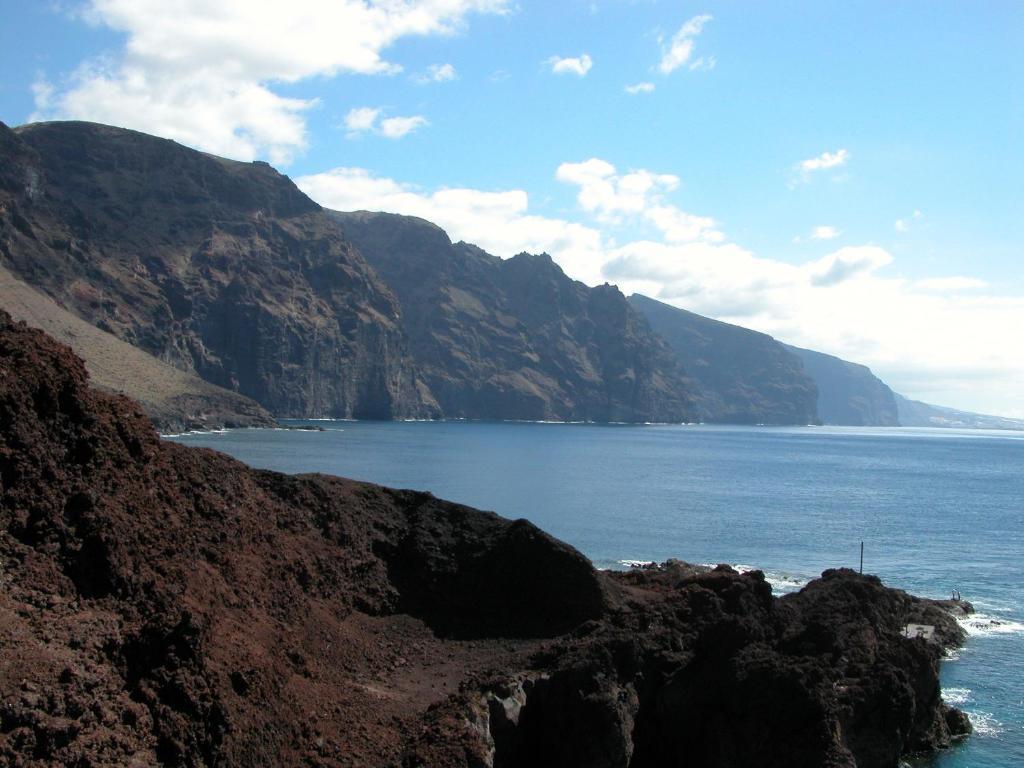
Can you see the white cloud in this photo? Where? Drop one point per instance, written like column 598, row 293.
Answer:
column 364, row 120
column 953, row 284
column 640, row 195
column 904, row 225
column 825, row 160
column 571, row 66
column 824, row 232
column 361, row 119
column 703, row 64
column 397, row 127
column 204, row 73
column 437, row 73
column 946, row 340
column 640, row 88
column 848, row 263
column 498, row 222
column 680, row 47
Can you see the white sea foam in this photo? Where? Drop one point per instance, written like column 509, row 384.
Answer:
column 956, row 697
column 985, row 724
column 983, row 625
column 781, row 582
column 634, row 563
column 953, row 654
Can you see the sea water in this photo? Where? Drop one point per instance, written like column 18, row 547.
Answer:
column 937, row 510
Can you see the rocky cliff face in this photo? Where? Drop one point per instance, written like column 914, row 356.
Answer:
column 169, row 606
column 849, row 394
column 213, row 266
column 176, row 400
column 516, row 338
column 743, row 377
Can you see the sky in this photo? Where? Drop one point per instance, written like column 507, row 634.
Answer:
column 846, row 176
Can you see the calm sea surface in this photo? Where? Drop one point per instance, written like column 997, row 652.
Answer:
column 936, row 510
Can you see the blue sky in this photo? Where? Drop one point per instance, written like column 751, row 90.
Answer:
column 845, row 176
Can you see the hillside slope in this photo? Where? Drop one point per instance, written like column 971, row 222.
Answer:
column 516, row 338
column 744, row 377
column 174, row 399
column 217, row 267
column 849, row 394
column 914, row 413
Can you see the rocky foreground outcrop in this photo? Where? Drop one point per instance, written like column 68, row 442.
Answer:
column 161, row 605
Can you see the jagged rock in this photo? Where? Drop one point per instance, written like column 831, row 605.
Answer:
column 516, row 338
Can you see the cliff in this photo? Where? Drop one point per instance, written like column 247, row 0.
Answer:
column 163, row 605
column 175, row 400
column 218, row 268
column 743, row 377
column 516, row 338
column 849, row 394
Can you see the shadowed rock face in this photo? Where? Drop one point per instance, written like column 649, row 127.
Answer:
column 743, row 377
column 849, row 394
column 163, row 605
column 217, row 267
column 516, row 338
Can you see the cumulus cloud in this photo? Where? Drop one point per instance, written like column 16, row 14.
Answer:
column 361, row 120
column 847, row 263
column 397, row 127
column 365, row 120
column 205, row 73
column 579, row 65
column 436, row 73
column 953, row 284
column 904, row 225
column 640, row 88
column 946, row 339
column 615, row 198
column 680, row 48
column 825, row 160
column 824, row 232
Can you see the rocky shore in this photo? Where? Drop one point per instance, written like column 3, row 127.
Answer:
column 161, row 605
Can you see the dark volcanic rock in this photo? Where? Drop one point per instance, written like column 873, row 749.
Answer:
column 744, row 377
column 217, row 267
column 516, row 338
column 849, row 394
column 169, row 606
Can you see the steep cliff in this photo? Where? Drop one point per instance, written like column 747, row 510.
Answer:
column 169, row 606
column 174, row 399
column 849, row 394
column 221, row 268
column 743, row 377
column 516, row 338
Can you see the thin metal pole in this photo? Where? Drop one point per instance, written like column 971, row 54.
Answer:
column 862, row 557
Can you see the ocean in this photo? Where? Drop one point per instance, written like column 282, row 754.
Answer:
column 937, row 510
